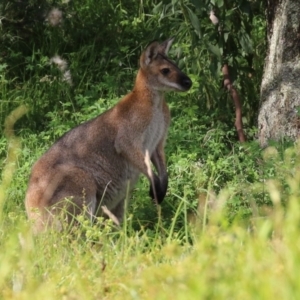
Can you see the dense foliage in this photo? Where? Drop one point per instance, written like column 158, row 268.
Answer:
column 101, row 41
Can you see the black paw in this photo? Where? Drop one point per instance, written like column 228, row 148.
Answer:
column 161, row 186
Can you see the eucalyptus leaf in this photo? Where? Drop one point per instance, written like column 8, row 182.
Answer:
column 219, row 3
column 225, row 36
column 214, row 49
column 245, row 42
column 215, row 68
column 194, row 20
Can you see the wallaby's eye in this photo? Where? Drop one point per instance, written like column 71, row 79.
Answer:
column 165, row 71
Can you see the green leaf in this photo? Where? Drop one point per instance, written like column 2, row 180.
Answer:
column 215, row 68
column 197, row 4
column 2, row 67
column 219, row 3
column 194, row 20
column 157, row 8
column 245, row 7
column 245, row 42
column 214, row 49
column 226, row 35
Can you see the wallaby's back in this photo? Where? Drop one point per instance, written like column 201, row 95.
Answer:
column 95, row 163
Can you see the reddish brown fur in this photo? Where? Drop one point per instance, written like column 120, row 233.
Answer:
column 93, row 164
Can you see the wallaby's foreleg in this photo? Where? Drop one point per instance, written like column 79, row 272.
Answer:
column 140, row 160
column 161, row 183
column 159, row 161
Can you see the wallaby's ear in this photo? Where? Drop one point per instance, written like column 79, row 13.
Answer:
column 150, row 53
column 166, row 45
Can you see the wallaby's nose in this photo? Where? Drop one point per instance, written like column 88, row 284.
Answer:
column 187, row 83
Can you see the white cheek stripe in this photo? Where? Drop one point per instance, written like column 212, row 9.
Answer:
column 172, row 85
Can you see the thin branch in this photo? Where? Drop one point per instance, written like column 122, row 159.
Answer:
column 237, row 103
column 231, row 89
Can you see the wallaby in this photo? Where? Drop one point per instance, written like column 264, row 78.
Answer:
column 94, row 164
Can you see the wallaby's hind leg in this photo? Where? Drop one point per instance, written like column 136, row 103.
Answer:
column 73, row 194
column 62, row 214
column 117, row 213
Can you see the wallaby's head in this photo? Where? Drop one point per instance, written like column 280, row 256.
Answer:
column 163, row 74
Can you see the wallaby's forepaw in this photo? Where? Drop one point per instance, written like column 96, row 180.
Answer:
column 161, row 186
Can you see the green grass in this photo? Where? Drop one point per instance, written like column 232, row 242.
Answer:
column 258, row 261
column 183, row 252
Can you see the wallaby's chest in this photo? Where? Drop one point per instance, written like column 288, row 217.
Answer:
column 155, row 130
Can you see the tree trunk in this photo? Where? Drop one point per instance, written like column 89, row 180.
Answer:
column 280, row 88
